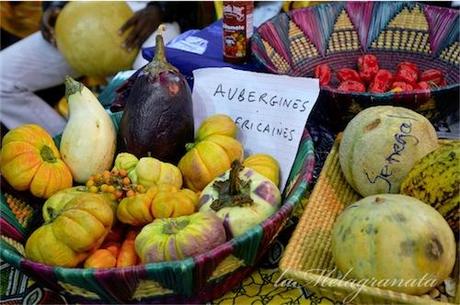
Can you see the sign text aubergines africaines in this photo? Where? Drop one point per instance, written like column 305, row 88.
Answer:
column 251, row 96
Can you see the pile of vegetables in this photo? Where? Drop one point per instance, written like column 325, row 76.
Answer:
column 165, row 196
column 145, row 201
column 369, row 77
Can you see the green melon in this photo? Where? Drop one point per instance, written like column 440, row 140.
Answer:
column 395, row 242
column 435, row 179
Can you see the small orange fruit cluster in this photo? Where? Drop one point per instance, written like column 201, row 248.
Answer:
column 115, row 182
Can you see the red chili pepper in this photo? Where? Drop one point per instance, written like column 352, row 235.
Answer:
column 401, row 87
column 384, row 76
column 382, row 81
column 368, row 67
column 422, row 86
column 323, row 72
column 345, row 74
column 352, row 86
column 407, row 65
column 406, row 75
column 433, row 77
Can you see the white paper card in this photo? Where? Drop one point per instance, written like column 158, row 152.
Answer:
column 191, row 44
column 270, row 110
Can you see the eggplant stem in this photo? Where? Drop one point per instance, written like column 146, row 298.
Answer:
column 159, row 62
column 234, row 187
column 175, row 226
column 232, row 192
column 159, row 48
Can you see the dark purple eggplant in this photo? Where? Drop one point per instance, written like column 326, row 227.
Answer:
column 158, row 116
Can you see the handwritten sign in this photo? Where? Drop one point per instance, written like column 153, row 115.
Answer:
column 270, row 110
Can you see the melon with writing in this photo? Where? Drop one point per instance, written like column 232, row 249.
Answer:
column 381, row 144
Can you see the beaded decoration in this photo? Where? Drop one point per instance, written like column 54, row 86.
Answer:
column 407, row 31
column 280, row 63
column 20, row 209
column 300, row 46
column 452, row 53
column 344, row 37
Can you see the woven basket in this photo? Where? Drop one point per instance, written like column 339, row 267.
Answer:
column 308, row 257
column 193, row 280
column 294, row 43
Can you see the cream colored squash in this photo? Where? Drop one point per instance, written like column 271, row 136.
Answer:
column 89, row 139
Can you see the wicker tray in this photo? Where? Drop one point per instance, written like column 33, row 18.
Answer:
column 196, row 279
column 308, row 253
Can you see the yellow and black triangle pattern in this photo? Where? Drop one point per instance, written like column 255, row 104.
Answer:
column 148, row 289
column 407, row 31
column 300, row 46
column 344, row 37
column 280, row 63
column 452, row 53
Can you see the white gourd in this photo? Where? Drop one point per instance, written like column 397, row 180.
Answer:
column 89, row 139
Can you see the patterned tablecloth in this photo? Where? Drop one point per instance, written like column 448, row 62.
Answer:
column 259, row 288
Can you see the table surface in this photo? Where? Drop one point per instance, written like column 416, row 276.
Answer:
column 259, row 288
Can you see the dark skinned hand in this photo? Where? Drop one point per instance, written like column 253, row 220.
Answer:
column 142, row 25
column 48, row 22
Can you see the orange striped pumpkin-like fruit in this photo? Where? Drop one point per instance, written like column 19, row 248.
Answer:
column 265, row 165
column 29, row 160
column 215, row 148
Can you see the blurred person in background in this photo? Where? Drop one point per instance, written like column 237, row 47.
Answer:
column 34, row 63
column 18, row 19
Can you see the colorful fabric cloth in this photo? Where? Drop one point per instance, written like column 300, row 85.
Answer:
column 265, row 285
column 259, row 288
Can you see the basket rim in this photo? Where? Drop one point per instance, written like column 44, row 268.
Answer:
column 286, row 207
column 335, row 91
column 390, row 94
